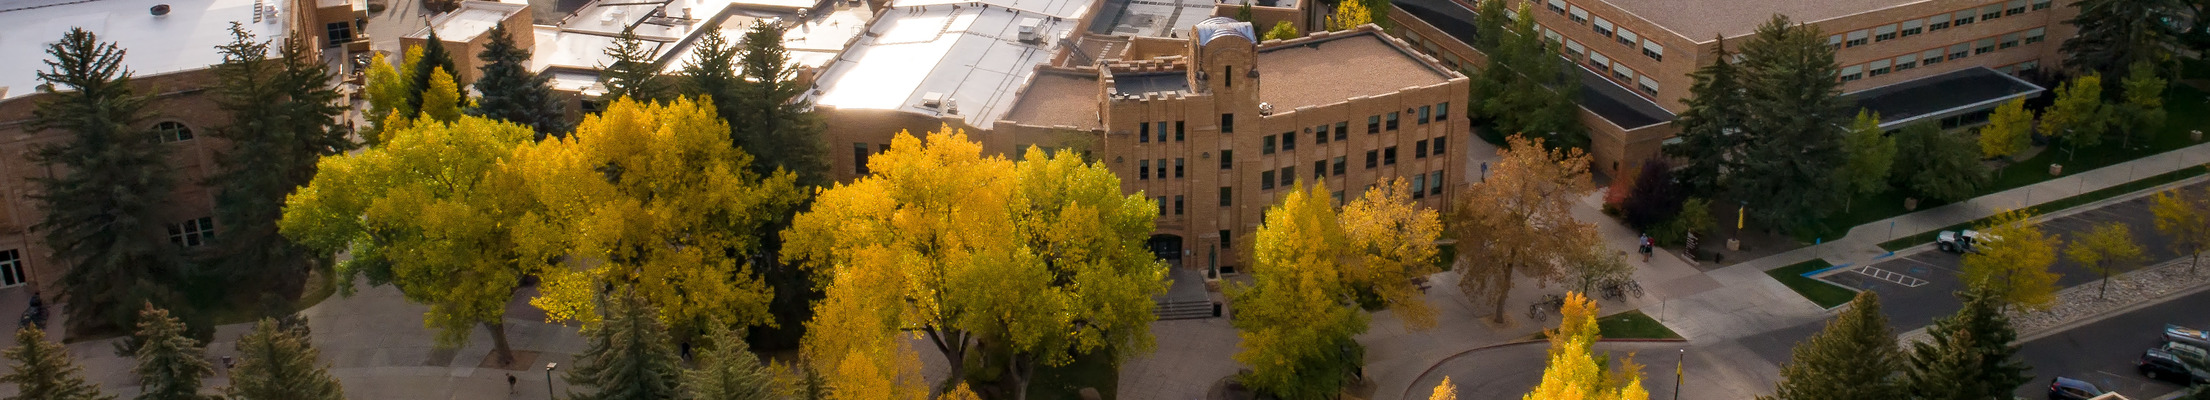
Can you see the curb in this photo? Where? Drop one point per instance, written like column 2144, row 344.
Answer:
column 2098, row 317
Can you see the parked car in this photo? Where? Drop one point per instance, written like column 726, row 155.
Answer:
column 2156, row 364
column 2189, row 336
column 2062, row 388
column 2194, row 356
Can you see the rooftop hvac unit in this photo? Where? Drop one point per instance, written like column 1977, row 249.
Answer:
column 951, row 106
column 1265, row 108
column 932, row 100
column 1032, row 30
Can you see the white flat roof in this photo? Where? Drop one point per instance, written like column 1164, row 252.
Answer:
column 817, row 34
column 969, row 55
column 185, row 39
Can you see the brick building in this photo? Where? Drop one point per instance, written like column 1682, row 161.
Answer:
column 1212, row 127
column 170, row 44
column 1910, row 60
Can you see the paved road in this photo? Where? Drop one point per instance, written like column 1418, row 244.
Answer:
column 2103, row 352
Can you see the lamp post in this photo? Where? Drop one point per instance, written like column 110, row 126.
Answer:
column 550, row 366
column 1677, row 379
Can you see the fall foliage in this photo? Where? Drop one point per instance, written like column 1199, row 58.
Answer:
column 2013, row 260
column 1574, row 371
column 1519, row 221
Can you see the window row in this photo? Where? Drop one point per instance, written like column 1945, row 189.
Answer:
column 1936, row 22
column 1604, row 65
column 1605, row 28
column 1938, row 55
column 1145, row 130
column 1144, row 168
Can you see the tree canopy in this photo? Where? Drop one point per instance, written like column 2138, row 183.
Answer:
column 276, row 363
column 1716, row 111
column 1937, row 165
column 1854, row 358
column 1574, row 370
column 1518, row 222
column 2006, row 130
column 1794, row 135
column 283, row 119
column 2012, row 264
column 43, row 370
column 511, row 93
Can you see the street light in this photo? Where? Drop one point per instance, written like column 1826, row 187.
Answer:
column 550, row 366
column 1677, row 365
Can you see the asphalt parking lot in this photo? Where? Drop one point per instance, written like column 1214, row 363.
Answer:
column 2103, row 352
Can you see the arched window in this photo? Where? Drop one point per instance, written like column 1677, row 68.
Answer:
column 172, row 131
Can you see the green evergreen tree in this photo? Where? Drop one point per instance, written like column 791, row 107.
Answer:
column 1937, row 165
column 434, row 56
column 169, row 366
column 43, row 371
column 1854, row 358
column 1709, row 139
column 629, row 357
column 772, row 123
column 1794, row 129
column 1489, row 24
column 1525, row 88
column 2114, row 34
column 2142, row 113
column 633, row 73
column 100, row 215
column 511, row 93
column 1970, row 355
column 1871, row 154
column 275, row 363
column 711, row 74
column 727, row 370
column 283, row 120
column 1243, row 12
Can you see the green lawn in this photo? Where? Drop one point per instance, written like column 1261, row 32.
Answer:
column 1094, row 370
column 2188, row 109
column 1633, row 324
column 1826, row 295
column 2060, row 204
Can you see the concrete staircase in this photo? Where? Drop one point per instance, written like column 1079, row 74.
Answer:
column 1183, row 309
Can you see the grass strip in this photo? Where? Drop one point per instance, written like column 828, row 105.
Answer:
column 1633, row 324
column 1826, row 295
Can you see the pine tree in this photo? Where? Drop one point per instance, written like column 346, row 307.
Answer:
column 275, row 363
column 1710, row 129
column 772, row 122
column 1937, row 165
column 2142, row 114
column 169, row 364
column 434, row 56
column 1970, row 355
column 283, row 119
column 442, row 103
column 727, row 370
column 1243, row 12
column 511, row 93
column 1871, row 157
column 629, row 357
column 2114, row 34
column 1527, row 89
column 100, row 214
column 43, row 371
column 1794, row 128
column 633, row 73
column 711, row 74
column 1855, row 357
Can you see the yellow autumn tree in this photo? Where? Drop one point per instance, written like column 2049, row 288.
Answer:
column 1574, row 371
column 442, row 102
column 2185, row 218
column 1444, row 391
column 653, row 198
column 1519, row 222
column 1295, row 318
column 1349, row 14
column 2013, row 261
column 425, row 212
column 388, row 90
column 1393, row 242
column 1043, row 258
column 2006, row 129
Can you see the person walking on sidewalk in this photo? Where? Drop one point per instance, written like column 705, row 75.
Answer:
column 509, row 383
column 1648, row 247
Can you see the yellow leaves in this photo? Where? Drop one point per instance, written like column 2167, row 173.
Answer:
column 442, row 101
column 1572, row 372
column 2013, row 261
column 1350, row 14
column 2183, row 218
column 1519, row 220
column 1394, row 242
column 1444, row 391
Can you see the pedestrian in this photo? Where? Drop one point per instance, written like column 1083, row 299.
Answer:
column 509, row 383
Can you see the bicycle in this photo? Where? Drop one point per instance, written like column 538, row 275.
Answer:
column 1550, row 303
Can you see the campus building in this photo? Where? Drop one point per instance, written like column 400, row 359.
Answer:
column 170, row 48
column 1910, row 60
column 1209, row 122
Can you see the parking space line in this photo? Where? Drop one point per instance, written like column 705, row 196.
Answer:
column 1891, row 276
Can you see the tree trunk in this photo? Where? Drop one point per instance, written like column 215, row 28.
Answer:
column 498, row 343
column 953, row 343
column 1503, row 292
column 1020, row 372
column 2105, row 289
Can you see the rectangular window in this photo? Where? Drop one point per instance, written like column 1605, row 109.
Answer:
column 1224, row 239
column 1931, row 57
column 11, row 268
column 193, row 232
column 1442, row 111
column 1392, row 121
column 1342, row 130
column 1937, row 22
column 1288, row 176
column 1320, row 134
column 1419, row 186
column 1178, row 125
column 1439, row 146
column 1266, row 145
column 2009, row 41
column 1337, row 168
column 2035, row 35
column 1143, row 132
column 1963, row 18
column 1906, row 62
column 1162, row 168
column 1913, row 27
column 1426, row 112
column 1578, row 15
column 1266, row 180
column 1162, row 131
column 2014, row 7
column 1419, row 149
column 859, row 158
column 1876, row 68
column 1162, row 205
column 1883, row 33
column 1227, row 196
column 340, row 32
column 1177, row 205
column 1319, row 169
column 1389, row 155
column 1289, row 140
column 1602, row 27
column 1373, row 159
column 1556, row 6
column 2041, row 4
column 1857, row 38
column 1992, row 11
column 1435, row 183
column 1551, row 35
column 1178, row 167
column 2028, row 66
column 1143, row 169
column 1983, row 46
column 1227, row 123
column 1834, row 41
column 1373, row 124
column 1628, row 38
column 1574, row 49
column 1960, row 50
column 1599, row 62
column 1621, row 72
column 1646, row 85
column 1227, row 159
column 1651, row 49
column 1852, row 73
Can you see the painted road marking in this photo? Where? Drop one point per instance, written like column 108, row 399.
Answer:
column 1891, row 276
